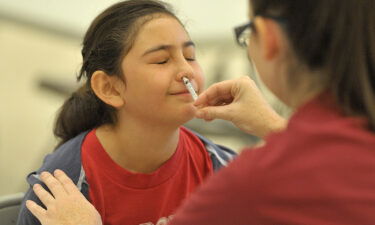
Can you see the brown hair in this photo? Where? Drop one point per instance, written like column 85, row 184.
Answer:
column 108, row 39
column 337, row 36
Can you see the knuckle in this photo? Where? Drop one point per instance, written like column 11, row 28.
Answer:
column 65, row 181
column 51, row 182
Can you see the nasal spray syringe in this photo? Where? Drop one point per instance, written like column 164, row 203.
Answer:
column 190, row 88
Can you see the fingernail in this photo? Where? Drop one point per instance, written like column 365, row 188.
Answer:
column 57, row 172
column 43, row 174
column 29, row 203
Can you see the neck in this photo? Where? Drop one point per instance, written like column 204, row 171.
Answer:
column 308, row 86
column 300, row 98
column 137, row 146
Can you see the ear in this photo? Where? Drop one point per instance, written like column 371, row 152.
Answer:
column 108, row 88
column 270, row 37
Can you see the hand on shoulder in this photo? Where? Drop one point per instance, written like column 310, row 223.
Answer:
column 66, row 205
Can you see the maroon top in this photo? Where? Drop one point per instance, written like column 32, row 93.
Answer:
column 320, row 170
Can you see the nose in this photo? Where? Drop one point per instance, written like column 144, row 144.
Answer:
column 185, row 70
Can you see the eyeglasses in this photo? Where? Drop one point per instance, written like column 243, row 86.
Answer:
column 243, row 33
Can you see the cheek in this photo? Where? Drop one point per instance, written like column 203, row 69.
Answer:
column 257, row 62
column 258, row 66
column 265, row 72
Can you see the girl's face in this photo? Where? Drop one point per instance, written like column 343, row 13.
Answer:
column 161, row 55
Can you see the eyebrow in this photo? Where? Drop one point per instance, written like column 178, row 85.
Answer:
column 166, row 47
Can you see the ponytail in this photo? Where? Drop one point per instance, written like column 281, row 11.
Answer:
column 82, row 111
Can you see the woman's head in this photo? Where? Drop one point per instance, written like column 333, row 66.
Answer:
column 109, row 64
column 331, row 39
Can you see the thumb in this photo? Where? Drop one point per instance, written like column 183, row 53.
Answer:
column 214, row 112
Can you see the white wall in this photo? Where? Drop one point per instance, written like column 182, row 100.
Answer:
column 27, row 112
column 205, row 18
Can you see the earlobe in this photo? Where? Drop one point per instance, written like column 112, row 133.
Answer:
column 269, row 37
column 107, row 88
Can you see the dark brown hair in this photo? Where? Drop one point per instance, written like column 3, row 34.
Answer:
column 108, row 39
column 336, row 36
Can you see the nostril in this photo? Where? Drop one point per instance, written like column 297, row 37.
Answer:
column 185, row 80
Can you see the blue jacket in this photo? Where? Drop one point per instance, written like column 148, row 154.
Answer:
column 67, row 157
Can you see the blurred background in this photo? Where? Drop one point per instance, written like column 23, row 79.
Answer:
column 40, row 57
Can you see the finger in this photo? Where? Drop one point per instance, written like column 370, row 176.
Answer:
column 53, row 184
column 221, row 90
column 224, row 100
column 219, row 100
column 213, row 112
column 67, row 183
column 45, row 197
column 36, row 210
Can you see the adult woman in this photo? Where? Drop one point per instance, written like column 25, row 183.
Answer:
column 122, row 140
column 317, row 56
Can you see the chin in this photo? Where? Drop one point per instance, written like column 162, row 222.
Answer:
column 187, row 114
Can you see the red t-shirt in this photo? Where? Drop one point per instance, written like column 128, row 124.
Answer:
column 126, row 198
column 320, row 170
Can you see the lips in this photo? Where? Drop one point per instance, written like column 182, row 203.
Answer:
column 180, row 92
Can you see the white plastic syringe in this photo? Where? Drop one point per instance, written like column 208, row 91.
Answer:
column 190, row 88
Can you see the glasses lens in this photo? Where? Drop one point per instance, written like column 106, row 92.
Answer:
column 243, row 34
column 243, row 38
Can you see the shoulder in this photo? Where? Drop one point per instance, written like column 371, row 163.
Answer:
column 336, row 133
column 335, row 152
column 326, row 138
column 220, row 155
column 66, row 157
column 323, row 121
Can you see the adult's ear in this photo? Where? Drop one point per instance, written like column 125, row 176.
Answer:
column 108, row 88
column 270, row 36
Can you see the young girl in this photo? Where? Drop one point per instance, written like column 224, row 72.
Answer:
column 121, row 137
column 318, row 56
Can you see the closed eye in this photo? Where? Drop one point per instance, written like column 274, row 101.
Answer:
column 162, row 62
